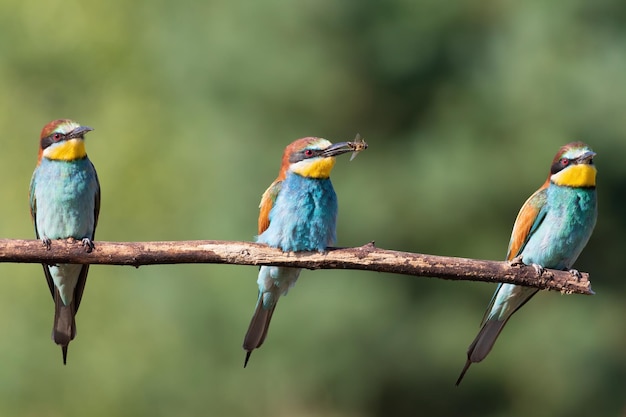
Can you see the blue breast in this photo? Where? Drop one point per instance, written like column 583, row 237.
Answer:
column 304, row 215
column 65, row 198
column 570, row 218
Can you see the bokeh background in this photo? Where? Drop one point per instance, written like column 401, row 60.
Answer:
column 463, row 104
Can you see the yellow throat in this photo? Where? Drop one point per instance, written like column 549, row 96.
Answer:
column 583, row 175
column 69, row 150
column 314, row 168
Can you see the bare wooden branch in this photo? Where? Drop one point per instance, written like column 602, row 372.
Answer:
column 367, row 257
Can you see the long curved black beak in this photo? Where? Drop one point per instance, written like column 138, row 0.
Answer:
column 586, row 158
column 338, row 149
column 79, row 132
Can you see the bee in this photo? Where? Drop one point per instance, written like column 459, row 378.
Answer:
column 357, row 146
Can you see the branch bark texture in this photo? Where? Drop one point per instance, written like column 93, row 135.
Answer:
column 367, row 258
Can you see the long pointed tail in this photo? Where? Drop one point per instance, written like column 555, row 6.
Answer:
column 465, row 368
column 506, row 301
column 482, row 344
column 64, row 328
column 257, row 330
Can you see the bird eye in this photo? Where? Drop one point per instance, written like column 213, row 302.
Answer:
column 56, row 136
column 308, row 152
column 564, row 162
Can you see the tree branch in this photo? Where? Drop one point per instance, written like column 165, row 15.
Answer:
column 366, row 257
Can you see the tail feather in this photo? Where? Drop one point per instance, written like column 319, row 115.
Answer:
column 64, row 352
column 506, row 301
column 257, row 330
column 482, row 344
column 465, row 368
column 64, row 328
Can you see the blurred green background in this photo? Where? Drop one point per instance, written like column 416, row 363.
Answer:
column 463, row 104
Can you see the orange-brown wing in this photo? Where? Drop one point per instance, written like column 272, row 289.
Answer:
column 33, row 203
column 528, row 219
column 267, row 202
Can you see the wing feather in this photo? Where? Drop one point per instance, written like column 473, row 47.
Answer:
column 96, row 210
column 80, row 286
column 33, row 203
column 82, row 278
column 267, row 202
column 528, row 219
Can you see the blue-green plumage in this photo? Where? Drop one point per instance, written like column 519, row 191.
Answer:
column 551, row 230
column 298, row 213
column 564, row 227
column 65, row 202
column 303, row 219
column 304, row 215
column 65, row 198
column 561, row 231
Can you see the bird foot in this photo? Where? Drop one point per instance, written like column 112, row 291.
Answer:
column 538, row 269
column 87, row 244
column 576, row 274
column 46, row 242
column 517, row 261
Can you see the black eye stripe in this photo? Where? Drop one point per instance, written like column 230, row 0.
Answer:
column 557, row 166
column 563, row 163
column 49, row 140
column 304, row 154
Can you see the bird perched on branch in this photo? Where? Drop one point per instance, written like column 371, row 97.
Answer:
column 551, row 230
column 297, row 213
column 64, row 203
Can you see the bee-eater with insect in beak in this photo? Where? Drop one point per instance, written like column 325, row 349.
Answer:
column 64, row 203
column 551, row 230
column 297, row 213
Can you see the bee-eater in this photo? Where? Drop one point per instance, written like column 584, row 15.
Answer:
column 550, row 231
column 65, row 203
column 297, row 213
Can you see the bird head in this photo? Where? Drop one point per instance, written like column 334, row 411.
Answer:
column 573, row 166
column 63, row 140
column 312, row 157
